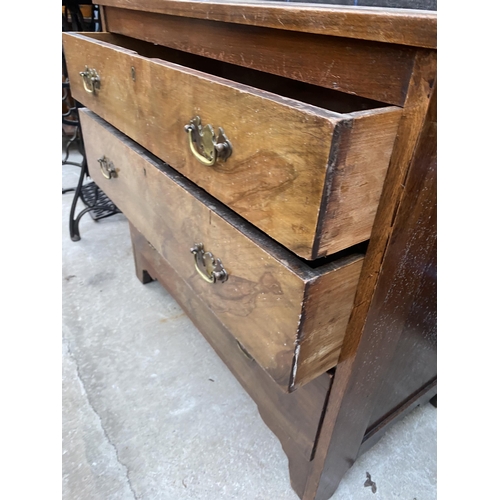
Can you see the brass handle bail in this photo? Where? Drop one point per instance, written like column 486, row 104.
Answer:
column 205, row 146
column 91, row 80
column 244, row 351
column 207, row 266
column 107, row 167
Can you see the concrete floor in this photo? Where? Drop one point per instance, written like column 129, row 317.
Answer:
column 150, row 412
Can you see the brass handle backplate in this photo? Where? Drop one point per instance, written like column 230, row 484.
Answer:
column 207, row 266
column 107, row 168
column 91, row 80
column 205, row 146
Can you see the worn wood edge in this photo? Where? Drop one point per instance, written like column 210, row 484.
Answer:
column 374, row 60
column 417, row 104
column 402, row 26
column 296, row 350
column 350, row 143
column 309, row 109
column 323, row 414
column 298, row 468
column 102, row 15
column 144, row 265
column 340, row 132
column 306, row 329
column 374, row 434
column 356, row 115
column 137, row 44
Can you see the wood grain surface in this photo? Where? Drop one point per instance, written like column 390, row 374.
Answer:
column 295, row 418
column 291, row 161
column 355, row 179
column 405, row 27
column 370, row 69
column 372, row 336
column 426, row 394
column 286, row 305
column 414, row 241
column 327, row 305
column 261, row 304
column 377, row 54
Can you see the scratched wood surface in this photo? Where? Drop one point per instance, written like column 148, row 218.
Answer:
column 355, row 181
column 294, row 418
column 414, row 364
column 406, row 27
column 371, row 69
column 262, row 302
column 372, row 335
column 284, row 151
column 326, row 302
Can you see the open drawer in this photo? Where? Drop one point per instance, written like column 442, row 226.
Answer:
column 304, row 164
column 288, row 315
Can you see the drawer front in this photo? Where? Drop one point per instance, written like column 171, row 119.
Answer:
column 295, row 418
column 267, row 302
column 307, row 176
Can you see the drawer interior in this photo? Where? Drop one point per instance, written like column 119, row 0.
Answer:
column 314, row 95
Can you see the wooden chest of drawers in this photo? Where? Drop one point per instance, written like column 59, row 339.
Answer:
column 277, row 166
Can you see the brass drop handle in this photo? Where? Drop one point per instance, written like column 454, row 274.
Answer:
column 107, row 168
column 202, row 159
column 91, row 80
column 244, row 351
column 207, row 266
column 205, row 146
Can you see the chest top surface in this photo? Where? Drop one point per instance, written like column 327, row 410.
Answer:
column 412, row 27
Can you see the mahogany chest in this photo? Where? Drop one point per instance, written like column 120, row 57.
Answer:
column 277, row 165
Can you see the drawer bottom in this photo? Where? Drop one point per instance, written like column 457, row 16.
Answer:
column 295, row 418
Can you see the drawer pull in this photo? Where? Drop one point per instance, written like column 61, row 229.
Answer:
column 209, row 268
column 244, row 351
column 207, row 148
column 107, row 168
column 91, row 80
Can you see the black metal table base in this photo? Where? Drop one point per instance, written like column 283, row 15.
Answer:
column 97, row 204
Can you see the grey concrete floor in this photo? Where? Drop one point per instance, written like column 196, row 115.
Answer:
column 150, row 412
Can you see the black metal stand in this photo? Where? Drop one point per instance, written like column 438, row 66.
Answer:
column 67, row 120
column 97, row 204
